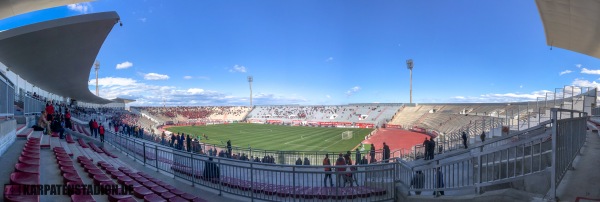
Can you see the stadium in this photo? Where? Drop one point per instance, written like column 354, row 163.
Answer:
column 159, row 141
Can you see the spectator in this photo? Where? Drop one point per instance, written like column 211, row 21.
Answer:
column 91, row 124
column 327, row 163
column 482, row 136
column 101, row 131
column 464, row 138
column 418, row 181
column 306, row 161
column 228, row 147
column 439, row 181
column 95, row 127
column 386, row 153
column 426, row 148
column 358, row 158
column 372, row 153
column 299, row 161
column 211, row 170
column 189, row 143
column 431, row 148
column 364, row 160
column 68, row 120
column 340, row 163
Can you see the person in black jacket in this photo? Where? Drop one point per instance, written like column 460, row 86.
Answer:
column 426, row 148
column 211, row 170
column 386, row 153
column 464, row 138
column 189, row 143
column 372, row 153
column 431, row 149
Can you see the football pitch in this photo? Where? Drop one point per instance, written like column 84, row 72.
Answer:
column 276, row 137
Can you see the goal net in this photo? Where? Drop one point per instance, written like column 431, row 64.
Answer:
column 346, row 135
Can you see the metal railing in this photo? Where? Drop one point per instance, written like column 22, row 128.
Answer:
column 32, row 105
column 269, row 182
column 568, row 136
column 7, row 99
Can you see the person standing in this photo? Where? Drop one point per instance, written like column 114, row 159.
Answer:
column 431, row 148
column 68, row 120
column 357, row 156
column 386, row 153
column 340, row 163
column 101, row 131
column 95, row 127
column 464, row 138
column 229, row 148
column 372, row 153
column 418, row 181
column 439, row 181
column 91, row 124
column 189, row 143
column 482, row 136
column 327, row 163
column 426, row 148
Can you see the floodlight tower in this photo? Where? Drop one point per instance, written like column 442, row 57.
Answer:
column 409, row 65
column 250, row 80
column 97, row 67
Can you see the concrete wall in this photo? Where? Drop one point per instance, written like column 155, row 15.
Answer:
column 8, row 134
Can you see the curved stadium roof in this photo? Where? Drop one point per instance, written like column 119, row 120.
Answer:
column 57, row 55
column 9, row 8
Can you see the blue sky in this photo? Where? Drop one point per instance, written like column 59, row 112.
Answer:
column 326, row 52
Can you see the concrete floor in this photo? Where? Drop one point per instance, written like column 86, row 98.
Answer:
column 584, row 180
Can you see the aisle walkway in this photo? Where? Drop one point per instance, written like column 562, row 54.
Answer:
column 583, row 183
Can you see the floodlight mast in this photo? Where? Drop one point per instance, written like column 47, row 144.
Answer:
column 250, row 80
column 409, row 65
column 97, row 67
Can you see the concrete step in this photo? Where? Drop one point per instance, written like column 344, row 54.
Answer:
column 25, row 133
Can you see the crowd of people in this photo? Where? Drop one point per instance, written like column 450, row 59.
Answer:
column 194, row 112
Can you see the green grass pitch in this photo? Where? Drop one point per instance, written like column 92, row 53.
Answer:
column 275, row 137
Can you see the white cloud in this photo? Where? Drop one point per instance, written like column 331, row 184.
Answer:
column 124, row 65
column 329, row 59
column 578, row 66
column 198, row 77
column 112, row 81
column 501, row 97
column 195, row 91
column 590, row 71
column 153, row 95
column 187, row 77
column 352, row 90
column 143, row 19
column 155, row 76
column 521, row 86
column 585, row 83
column 238, row 68
column 565, row 72
column 80, row 7
column 328, row 96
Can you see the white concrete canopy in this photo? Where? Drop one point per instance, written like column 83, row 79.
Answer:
column 9, row 8
column 57, row 55
column 572, row 24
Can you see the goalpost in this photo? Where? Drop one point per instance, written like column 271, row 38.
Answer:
column 346, row 135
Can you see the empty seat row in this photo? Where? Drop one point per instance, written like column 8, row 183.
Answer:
column 26, row 173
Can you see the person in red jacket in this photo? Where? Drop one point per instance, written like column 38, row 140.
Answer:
column 49, row 111
column 95, row 128
column 340, row 176
column 327, row 163
column 101, row 131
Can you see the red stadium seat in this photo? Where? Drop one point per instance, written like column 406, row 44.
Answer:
column 12, row 193
column 82, row 198
column 24, row 178
column 27, row 168
column 140, row 192
column 153, row 198
column 27, row 160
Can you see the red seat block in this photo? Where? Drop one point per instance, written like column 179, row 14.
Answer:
column 154, row 198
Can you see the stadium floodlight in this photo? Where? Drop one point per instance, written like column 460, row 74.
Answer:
column 409, row 65
column 97, row 67
column 250, row 80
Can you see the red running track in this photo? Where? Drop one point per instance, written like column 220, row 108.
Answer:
column 396, row 139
